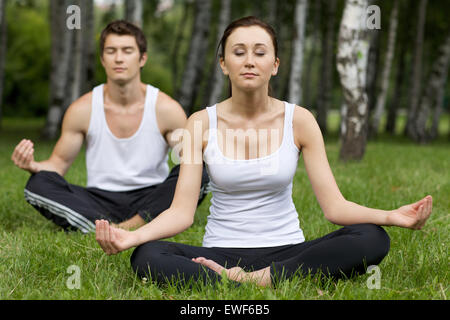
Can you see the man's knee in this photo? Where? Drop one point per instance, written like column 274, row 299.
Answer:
column 39, row 182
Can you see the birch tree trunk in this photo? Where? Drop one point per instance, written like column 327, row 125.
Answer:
column 381, row 100
column 272, row 12
column 88, row 58
column 415, row 92
column 187, row 8
column 62, row 47
column 197, row 52
column 2, row 53
column 217, row 75
column 312, row 49
column 134, row 12
column 295, row 80
column 352, row 66
column 433, row 96
column 83, row 57
column 327, row 68
column 373, row 60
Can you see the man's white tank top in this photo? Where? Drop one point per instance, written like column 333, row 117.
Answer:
column 251, row 203
column 117, row 164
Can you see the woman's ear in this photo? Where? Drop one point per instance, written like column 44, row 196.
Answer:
column 223, row 66
column 275, row 67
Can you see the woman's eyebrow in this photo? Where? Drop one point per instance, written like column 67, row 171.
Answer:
column 255, row 45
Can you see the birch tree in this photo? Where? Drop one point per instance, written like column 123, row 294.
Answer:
column 295, row 84
column 61, row 49
column 417, row 70
column 433, row 95
column 327, row 68
column 72, row 54
column 134, row 12
column 196, row 56
column 83, row 57
column 2, row 52
column 352, row 66
column 218, row 76
column 381, row 99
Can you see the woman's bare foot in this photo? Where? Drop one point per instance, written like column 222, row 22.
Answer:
column 260, row 277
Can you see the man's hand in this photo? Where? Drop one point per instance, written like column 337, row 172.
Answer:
column 23, row 156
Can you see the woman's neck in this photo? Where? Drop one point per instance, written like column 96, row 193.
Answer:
column 249, row 104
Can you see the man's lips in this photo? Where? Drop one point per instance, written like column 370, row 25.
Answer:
column 249, row 75
column 119, row 69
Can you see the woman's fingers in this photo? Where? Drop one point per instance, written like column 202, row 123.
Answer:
column 102, row 235
column 210, row 264
column 426, row 211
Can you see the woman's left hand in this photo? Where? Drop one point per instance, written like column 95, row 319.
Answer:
column 412, row 216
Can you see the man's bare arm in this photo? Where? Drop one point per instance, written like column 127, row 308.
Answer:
column 74, row 129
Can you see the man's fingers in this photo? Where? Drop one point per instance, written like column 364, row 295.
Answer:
column 21, row 152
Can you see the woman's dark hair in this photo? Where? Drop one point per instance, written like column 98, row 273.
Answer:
column 124, row 28
column 246, row 22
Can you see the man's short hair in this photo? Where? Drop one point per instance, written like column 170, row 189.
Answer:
column 122, row 28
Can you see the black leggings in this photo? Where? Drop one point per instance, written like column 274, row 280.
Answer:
column 343, row 253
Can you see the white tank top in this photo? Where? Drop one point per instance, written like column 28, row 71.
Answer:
column 251, row 203
column 131, row 163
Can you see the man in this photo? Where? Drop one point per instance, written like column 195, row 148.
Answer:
column 128, row 127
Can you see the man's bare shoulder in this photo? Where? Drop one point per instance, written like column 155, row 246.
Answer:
column 77, row 116
column 166, row 104
column 169, row 113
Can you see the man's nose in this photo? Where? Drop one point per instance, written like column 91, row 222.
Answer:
column 118, row 56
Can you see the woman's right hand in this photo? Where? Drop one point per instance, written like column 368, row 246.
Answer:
column 113, row 240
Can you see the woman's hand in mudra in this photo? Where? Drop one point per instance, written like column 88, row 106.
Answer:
column 412, row 216
column 261, row 277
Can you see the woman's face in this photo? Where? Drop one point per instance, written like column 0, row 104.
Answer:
column 249, row 59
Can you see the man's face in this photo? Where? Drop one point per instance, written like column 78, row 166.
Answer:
column 121, row 58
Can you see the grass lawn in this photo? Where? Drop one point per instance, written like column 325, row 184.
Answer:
column 35, row 255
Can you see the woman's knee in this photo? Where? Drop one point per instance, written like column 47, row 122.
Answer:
column 142, row 257
column 375, row 238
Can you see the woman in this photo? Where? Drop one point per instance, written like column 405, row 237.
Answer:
column 253, row 231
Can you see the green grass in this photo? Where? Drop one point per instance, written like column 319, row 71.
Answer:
column 35, row 254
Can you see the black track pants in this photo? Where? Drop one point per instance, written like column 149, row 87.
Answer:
column 75, row 207
column 343, row 253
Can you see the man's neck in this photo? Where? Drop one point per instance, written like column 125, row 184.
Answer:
column 124, row 95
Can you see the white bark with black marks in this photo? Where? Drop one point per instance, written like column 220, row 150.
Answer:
column 381, row 99
column 218, row 76
column 134, row 12
column 295, row 85
column 352, row 66
column 196, row 56
column 433, row 96
column 415, row 91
